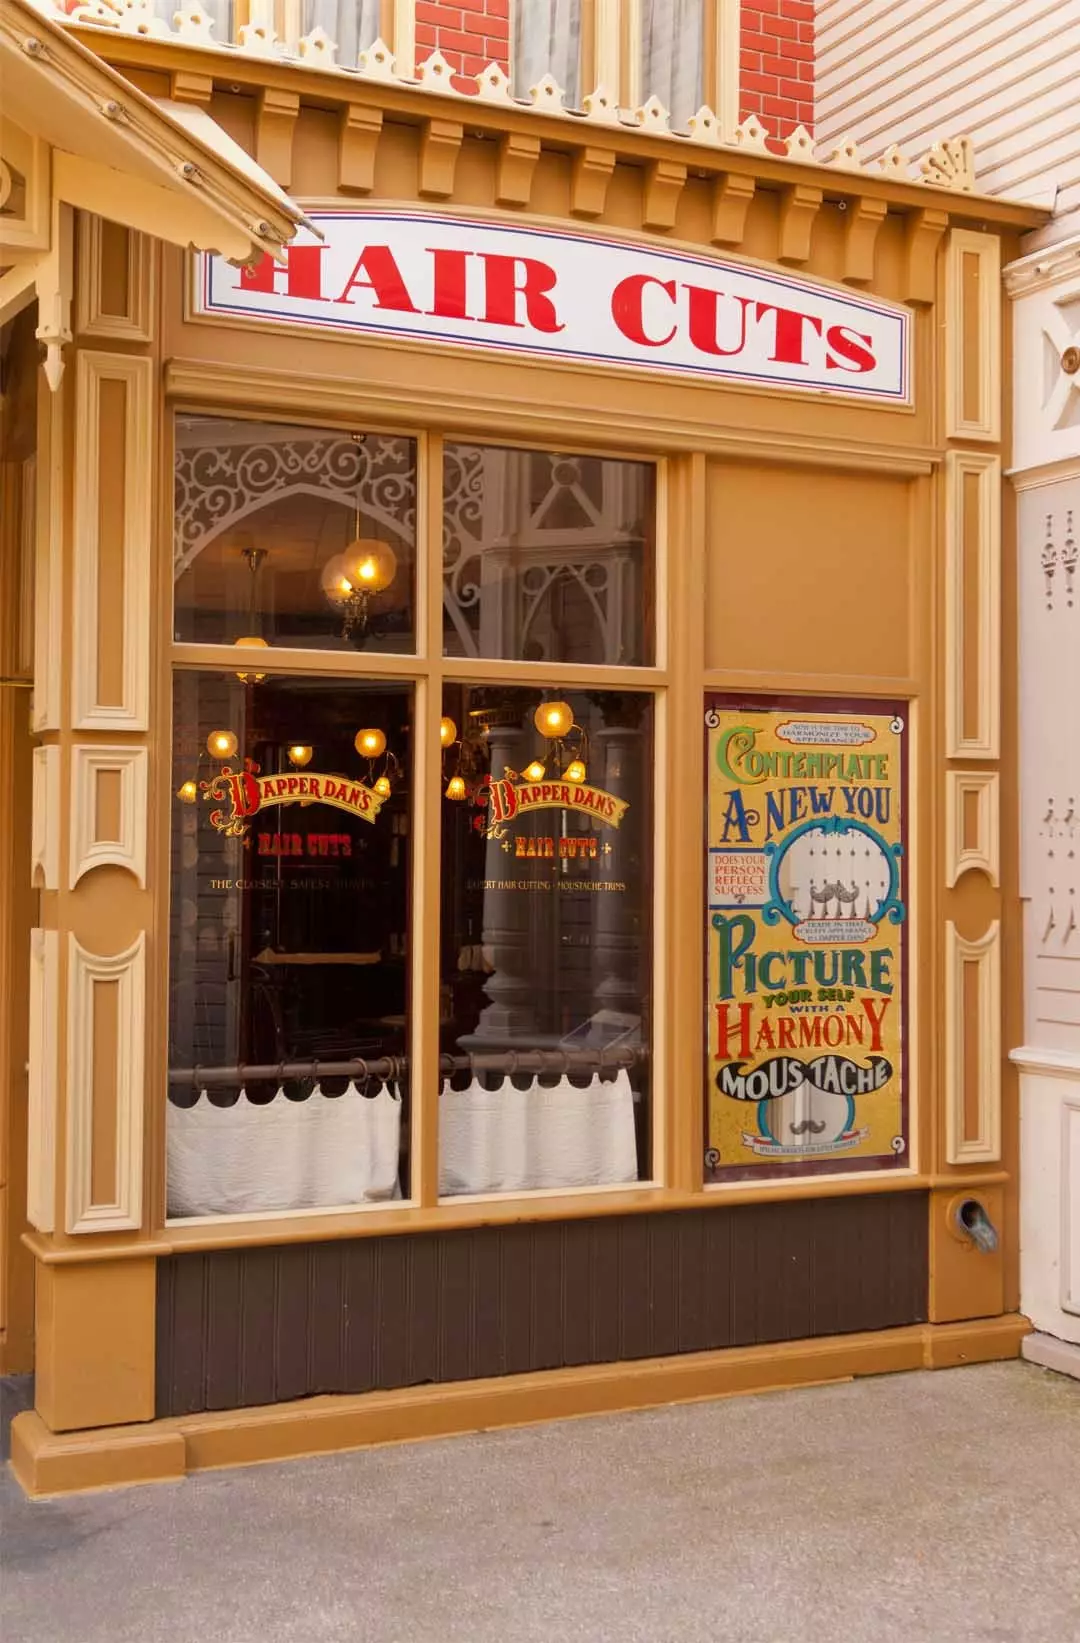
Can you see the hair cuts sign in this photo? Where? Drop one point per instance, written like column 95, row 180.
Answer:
column 585, row 297
column 805, row 930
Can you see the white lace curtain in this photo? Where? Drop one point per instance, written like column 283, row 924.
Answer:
column 547, row 40
column 517, row 1140
column 672, row 55
column 249, row 1159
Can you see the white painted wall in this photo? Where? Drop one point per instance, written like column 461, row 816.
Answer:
column 1003, row 72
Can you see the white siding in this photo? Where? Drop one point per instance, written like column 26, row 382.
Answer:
column 1005, row 72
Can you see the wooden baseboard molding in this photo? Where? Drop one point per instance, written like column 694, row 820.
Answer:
column 49, row 1463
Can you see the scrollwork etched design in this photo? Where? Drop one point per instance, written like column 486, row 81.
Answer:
column 218, row 486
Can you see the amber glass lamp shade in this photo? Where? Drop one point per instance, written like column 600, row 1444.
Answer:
column 251, row 641
column 369, row 565
column 447, row 732
column 554, row 719
column 535, row 771
column 369, row 743
column 382, row 787
column 455, row 788
column 575, row 771
column 187, row 792
column 221, row 744
column 300, row 754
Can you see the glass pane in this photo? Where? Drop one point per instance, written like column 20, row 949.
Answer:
column 673, row 56
column 288, row 998
column 293, row 536
column 546, row 945
column 547, row 557
column 352, row 25
column 547, row 40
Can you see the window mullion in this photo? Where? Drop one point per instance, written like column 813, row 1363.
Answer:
column 425, row 935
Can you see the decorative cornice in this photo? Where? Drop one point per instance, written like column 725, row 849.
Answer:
column 946, row 167
column 1043, row 268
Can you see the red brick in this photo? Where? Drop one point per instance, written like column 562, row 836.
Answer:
column 471, row 5
column 782, row 28
column 475, row 25
column 425, row 34
column 794, row 50
column 750, row 61
column 452, row 40
column 781, row 106
column 806, row 33
column 800, row 11
column 469, row 87
column 793, row 88
column 771, row 64
column 759, row 82
column 751, row 6
column 498, row 8
column 497, row 51
column 428, row 13
column 497, row 28
column 473, row 65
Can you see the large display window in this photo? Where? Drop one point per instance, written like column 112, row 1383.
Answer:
column 412, row 886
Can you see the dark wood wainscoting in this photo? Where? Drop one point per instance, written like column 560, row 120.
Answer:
column 253, row 1326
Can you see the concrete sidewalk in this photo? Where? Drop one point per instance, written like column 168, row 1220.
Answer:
column 911, row 1507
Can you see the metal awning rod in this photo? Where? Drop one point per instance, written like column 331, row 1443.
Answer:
column 395, row 1067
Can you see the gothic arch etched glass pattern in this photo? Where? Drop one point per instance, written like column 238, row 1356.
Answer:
column 548, row 557
column 265, row 512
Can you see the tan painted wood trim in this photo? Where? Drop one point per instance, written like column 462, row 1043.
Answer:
column 85, row 971
column 136, row 324
column 49, row 580
column 984, row 1078
column 203, row 384
column 982, row 851
column 45, row 818
column 90, row 847
column 46, row 1463
column 132, row 626
column 42, row 1080
column 978, row 630
column 425, row 912
column 962, row 328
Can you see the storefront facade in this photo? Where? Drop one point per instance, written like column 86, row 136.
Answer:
column 525, row 917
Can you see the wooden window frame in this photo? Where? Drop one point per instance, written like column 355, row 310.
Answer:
column 428, row 671
column 611, row 34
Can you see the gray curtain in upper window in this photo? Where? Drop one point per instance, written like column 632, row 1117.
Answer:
column 672, row 55
column 547, row 40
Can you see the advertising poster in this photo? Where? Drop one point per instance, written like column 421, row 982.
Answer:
column 806, row 932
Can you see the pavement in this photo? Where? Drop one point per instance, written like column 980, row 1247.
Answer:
column 936, row 1506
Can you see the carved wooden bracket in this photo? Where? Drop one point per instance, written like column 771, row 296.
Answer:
column 440, row 146
column 589, row 181
column 518, row 155
column 865, row 217
column 664, row 182
column 730, row 202
column 358, row 141
column 800, row 206
column 275, row 125
column 924, row 231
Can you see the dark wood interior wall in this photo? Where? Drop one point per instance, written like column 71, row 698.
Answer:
column 254, row 1326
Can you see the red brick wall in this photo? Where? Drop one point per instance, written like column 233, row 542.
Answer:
column 469, row 33
column 776, row 64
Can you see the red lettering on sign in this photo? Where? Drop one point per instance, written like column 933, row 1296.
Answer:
column 502, row 291
column 705, row 320
column 626, row 308
column 383, row 277
column 850, row 346
column 788, row 348
column 449, row 296
column 302, row 272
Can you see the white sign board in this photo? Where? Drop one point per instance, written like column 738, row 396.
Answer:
column 480, row 284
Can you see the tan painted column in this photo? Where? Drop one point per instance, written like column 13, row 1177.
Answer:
column 974, row 1136
column 95, row 638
